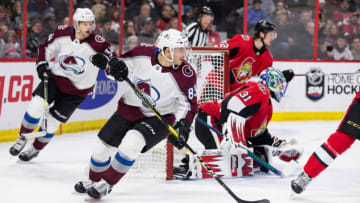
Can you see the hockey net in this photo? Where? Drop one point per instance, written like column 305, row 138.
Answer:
column 210, row 64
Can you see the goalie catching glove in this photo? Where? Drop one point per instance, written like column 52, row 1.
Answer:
column 183, row 128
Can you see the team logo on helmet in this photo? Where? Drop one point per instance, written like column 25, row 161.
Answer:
column 315, row 84
column 244, row 72
column 74, row 64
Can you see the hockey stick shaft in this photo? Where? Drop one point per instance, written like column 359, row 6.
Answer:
column 46, row 97
column 173, row 131
column 252, row 155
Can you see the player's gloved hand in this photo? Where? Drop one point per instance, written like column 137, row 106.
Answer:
column 289, row 74
column 118, row 69
column 41, row 68
column 183, row 127
column 99, row 60
column 288, row 154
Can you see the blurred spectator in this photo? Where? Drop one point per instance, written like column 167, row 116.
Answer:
column 156, row 8
column 139, row 20
column 9, row 47
column 66, row 22
column 342, row 16
column 60, row 12
column 129, row 29
column 333, row 33
column 149, row 33
column 325, row 50
column 303, row 44
column 115, row 20
column 341, row 50
column 33, row 39
column 188, row 15
column 48, row 25
column 214, row 37
column 131, row 43
column 110, row 35
column 355, row 48
column 285, row 40
column 99, row 11
column 166, row 15
column 268, row 6
column 16, row 18
column 198, row 32
column 173, row 24
column 352, row 28
column 255, row 14
column 38, row 8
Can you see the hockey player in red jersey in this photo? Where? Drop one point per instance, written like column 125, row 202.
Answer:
column 337, row 143
column 70, row 79
column 248, row 56
column 168, row 82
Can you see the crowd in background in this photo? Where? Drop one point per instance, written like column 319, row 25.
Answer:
column 338, row 33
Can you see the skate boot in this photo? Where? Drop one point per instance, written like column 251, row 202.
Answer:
column 99, row 189
column 29, row 154
column 182, row 172
column 83, row 186
column 298, row 185
column 19, row 145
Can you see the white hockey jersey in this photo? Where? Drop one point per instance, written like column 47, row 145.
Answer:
column 72, row 70
column 171, row 91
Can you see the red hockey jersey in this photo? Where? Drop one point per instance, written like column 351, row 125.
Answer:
column 244, row 61
column 254, row 104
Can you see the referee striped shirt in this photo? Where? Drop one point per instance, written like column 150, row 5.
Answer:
column 196, row 35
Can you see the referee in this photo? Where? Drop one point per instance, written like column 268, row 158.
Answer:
column 198, row 32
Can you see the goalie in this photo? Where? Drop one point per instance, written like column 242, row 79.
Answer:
column 242, row 116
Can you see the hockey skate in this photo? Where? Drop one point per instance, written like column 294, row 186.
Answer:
column 182, row 172
column 29, row 154
column 83, row 186
column 298, row 185
column 99, row 190
column 18, row 146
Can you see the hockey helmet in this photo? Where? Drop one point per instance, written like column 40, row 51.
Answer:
column 206, row 10
column 172, row 39
column 83, row 14
column 264, row 26
column 275, row 80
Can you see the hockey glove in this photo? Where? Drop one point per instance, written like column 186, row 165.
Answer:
column 289, row 74
column 99, row 60
column 42, row 67
column 183, row 127
column 118, row 69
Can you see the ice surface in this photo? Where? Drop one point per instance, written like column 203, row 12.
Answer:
column 50, row 177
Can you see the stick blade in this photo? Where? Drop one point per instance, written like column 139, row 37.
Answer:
column 255, row 201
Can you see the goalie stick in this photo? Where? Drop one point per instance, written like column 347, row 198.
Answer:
column 172, row 130
column 46, row 112
column 252, row 155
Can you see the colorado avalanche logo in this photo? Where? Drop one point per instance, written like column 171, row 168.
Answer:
column 187, row 71
column 243, row 72
column 149, row 91
column 74, row 64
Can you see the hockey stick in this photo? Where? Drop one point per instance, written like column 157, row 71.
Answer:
column 46, row 111
column 172, row 130
column 252, row 155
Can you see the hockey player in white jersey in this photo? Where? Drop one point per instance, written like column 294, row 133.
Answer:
column 168, row 82
column 70, row 78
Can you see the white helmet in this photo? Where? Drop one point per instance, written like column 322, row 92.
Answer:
column 83, row 14
column 171, row 39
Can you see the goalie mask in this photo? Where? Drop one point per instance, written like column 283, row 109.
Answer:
column 83, row 15
column 275, row 81
column 176, row 41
